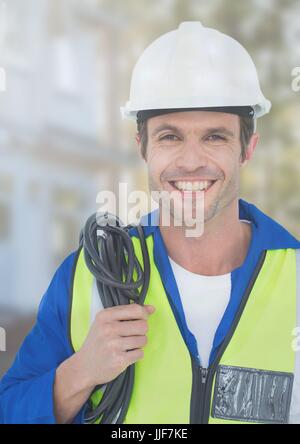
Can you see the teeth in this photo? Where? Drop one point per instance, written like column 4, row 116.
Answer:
column 192, row 186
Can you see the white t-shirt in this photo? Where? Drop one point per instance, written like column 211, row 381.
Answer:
column 204, row 300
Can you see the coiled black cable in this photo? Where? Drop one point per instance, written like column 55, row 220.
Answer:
column 109, row 254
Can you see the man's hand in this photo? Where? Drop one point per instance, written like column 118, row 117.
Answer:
column 115, row 341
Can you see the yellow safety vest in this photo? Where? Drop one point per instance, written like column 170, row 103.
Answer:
column 252, row 377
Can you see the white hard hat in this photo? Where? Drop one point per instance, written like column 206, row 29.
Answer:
column 194, row 67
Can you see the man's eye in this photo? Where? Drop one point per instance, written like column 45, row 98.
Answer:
column 168, row 137
column 216, row 138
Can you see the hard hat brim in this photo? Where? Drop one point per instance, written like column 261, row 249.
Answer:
column 243, row 111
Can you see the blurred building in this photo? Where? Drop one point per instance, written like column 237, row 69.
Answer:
column 59, row 136
column 68, row 65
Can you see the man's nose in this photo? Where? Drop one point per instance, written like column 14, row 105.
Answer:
column 191, row 156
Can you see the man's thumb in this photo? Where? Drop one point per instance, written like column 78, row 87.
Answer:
column 150, row 309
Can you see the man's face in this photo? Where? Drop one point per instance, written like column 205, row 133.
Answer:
column 195, row 149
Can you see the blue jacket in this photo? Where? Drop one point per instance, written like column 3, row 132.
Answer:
column 26, row 391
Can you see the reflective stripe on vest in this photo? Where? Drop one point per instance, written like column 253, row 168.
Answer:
column 255, row 379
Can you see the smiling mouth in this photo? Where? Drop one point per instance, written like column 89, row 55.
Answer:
column 192, row 186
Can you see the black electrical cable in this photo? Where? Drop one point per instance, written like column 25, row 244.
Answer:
column 109, row 254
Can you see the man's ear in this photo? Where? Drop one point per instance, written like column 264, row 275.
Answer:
column 139, row 145
column 250, row 149
column 138, row 139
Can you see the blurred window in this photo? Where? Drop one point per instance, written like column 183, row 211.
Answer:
column 65, row 73
column 67, row 199
column 6, row 185
column 64, row 236
column 5, row 221
column 15, row 32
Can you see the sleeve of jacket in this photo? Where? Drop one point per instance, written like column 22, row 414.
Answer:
column 26, row 390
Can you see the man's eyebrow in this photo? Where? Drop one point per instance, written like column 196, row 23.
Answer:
column 219, row 129
column 163, row 127
column 208, row 131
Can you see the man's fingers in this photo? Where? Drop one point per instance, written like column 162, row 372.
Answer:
column 134, row 356
column 133, row 342
column 131, row 328
column 127, row 312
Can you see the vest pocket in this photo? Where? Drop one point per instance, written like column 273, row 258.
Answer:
column 252, row 395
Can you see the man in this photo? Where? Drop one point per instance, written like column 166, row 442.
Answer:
column 213, row 342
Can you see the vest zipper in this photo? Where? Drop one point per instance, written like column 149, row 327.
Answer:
column 203, row 377
column 198, row 392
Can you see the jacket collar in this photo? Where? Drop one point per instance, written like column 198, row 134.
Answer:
column 270, row 234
